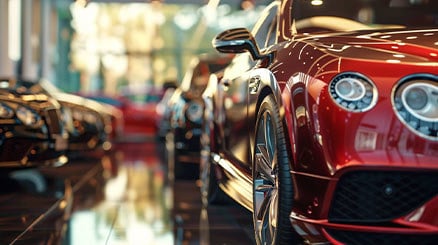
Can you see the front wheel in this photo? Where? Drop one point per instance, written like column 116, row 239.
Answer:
column 272, row 181
column 177, row 170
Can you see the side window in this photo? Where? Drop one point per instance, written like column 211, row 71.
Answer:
column 264, row 30
column 272, row 38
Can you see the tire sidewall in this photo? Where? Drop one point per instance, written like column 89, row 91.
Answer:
column 284, row 234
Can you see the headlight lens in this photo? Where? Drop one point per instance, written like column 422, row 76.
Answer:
column 350, row 89
column 421, row 99
column 27, row 116
column 194, row 112
column 415, row 98
column 353, row 92
column 6, row 111
column 416, row 104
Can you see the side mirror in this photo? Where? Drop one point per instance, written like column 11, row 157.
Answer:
column 237, row 40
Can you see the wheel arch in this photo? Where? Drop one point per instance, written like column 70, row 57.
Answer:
column 267, row 90
column 268, row 86
column 286, row 184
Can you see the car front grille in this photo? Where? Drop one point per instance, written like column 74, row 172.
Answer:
column 54, row 121
column 366, row 238
column 380, row 196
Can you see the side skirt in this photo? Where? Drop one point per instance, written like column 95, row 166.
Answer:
column 237, row 185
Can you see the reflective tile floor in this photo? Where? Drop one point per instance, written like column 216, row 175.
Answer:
column 122, row 197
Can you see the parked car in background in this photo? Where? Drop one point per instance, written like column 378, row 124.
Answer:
column 31, row 126
column 328, row 137
column 185, row 111
column 92, row 123
column 138, row 107
column 92, row 126
column 163, row 110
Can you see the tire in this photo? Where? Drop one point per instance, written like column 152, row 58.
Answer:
column 178, row 170
column 272, row 181
column 210, row 190
column 184, row 170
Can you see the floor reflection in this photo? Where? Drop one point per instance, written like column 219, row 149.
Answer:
column 136, row 206
column 227, row 224
column 126, row 196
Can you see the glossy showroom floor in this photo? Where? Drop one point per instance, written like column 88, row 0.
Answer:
column 124, row 198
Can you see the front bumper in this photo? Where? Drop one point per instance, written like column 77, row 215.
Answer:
column 372, row 207
column 22, row 152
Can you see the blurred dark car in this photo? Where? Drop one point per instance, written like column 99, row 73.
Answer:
column 185, row 112
column 91, row 125
column 32, row 132
column 328, row 135
column 138, row 106
column 163, row 110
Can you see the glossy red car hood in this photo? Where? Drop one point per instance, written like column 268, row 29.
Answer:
column 406, row 45
column 383, row 56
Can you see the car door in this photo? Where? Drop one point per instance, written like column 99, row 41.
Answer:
column 234, row 92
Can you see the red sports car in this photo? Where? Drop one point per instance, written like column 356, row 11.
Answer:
column 138, row 106
column 328, row 134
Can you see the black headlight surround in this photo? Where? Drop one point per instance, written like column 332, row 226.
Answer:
column 420, row 125
column 367, row 98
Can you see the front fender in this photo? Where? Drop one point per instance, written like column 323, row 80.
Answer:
column 262, row 82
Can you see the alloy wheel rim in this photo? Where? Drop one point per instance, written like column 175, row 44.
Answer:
column 265, row 181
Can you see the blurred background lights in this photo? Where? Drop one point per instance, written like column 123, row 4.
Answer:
column 317, row 2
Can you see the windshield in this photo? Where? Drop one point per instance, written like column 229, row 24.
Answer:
column 363, row 14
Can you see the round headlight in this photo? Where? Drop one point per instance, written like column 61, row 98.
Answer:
column 421, row 99
column 27, row 116
column 415, row 98
column 194, row 112
column 6, row 111
column 353, row 92
column 350, row 89
column 416, row 104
